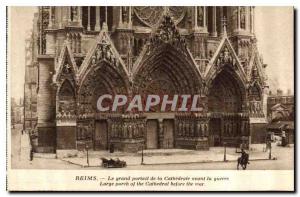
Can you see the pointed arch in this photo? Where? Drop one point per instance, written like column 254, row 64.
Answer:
column 224, row 57
column 66, row 99
column 168, row 62
column 166, row 53
column 103, row 49
column 226, row 92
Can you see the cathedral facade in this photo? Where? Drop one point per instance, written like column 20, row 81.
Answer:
column 80, row 53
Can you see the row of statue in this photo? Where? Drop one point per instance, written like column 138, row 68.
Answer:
column 233, row 129
column 127, row 129
column 192, row 129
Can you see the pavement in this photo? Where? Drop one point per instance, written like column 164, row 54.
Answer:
column 172, row 156
column 168, row 159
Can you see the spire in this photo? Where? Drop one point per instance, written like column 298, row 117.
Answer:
column 224, row 24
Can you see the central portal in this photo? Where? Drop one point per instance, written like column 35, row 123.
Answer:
column 152, row 134
column 101, row 135
column 168, row 133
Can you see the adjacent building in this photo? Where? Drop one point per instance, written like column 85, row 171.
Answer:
column 281, row 114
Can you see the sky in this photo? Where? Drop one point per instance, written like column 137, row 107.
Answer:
column 273, row 29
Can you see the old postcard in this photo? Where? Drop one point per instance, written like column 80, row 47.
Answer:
column 150, row 98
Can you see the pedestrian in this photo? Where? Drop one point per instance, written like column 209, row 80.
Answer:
column 283, row 139
column 31, row 155
column 112, row 148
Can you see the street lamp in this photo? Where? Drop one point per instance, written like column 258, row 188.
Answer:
column 142, row 161
column 87, row 154
column 225, row 152
column 270, row 152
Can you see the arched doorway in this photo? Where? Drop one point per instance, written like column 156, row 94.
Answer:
column 166, row 71
column 101, row 79
column 225, row 103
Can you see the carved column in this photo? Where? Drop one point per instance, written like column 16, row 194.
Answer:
column 204, row 17
column 106, row 14
column 60, row 17
column 104, row 26
column 120, row 17
column 214, row 21
column 221, row 20
column 69, row 14
column 129, row 18
column 89, row 19
column 79, row 16
column 196, row 17
column 97, row 26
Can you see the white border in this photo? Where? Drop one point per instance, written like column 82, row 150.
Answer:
column 97, row 2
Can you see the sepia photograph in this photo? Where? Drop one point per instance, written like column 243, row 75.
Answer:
column 154, row 89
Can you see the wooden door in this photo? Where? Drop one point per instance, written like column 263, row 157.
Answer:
column 101, row 135
column 152, row 134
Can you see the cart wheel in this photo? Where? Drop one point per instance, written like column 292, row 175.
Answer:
column 105, row 165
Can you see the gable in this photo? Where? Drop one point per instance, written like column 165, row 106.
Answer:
column 255, row 72
column 66, row 67
column 225, row 56
column 103, row 49
column 165, row 33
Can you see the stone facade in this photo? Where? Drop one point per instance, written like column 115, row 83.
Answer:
column 85, row 52
column 280, row 106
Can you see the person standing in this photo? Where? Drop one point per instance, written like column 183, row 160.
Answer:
column 283, row 138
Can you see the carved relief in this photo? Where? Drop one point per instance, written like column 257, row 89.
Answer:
column 104, row 52
column 225, row 57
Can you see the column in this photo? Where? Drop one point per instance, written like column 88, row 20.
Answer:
column 106, row 14
column 247, row 18
column 89, row 19
column 50, row 17
column 79, row 16
column 120, row 17
column 214, row 21
column 129, row 18
column 60, row 17
column 196, row 17
column 104, row 26
column 65, row 15
column 221, row 19
column 97, row 26
column 239, row 19
column 69, row 14
column 252, row 19
column 204, row 16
